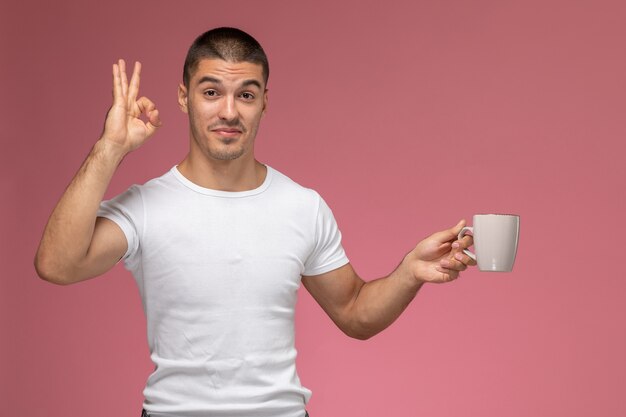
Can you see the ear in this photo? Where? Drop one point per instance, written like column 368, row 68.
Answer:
column 183, row 96
column 264, row 102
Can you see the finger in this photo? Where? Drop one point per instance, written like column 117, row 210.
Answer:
column 465, row 259
column 457, row 229
column 117, row 85
column 450, row 234
column 452, row 264
column 154, row 119
column 467, row 241
column 447, row 275
column 122, row 65
column 147, row 107
column 464, row 243
column 133, row 89
column 445, row 247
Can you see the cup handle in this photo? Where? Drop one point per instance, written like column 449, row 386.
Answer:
column 462, row 233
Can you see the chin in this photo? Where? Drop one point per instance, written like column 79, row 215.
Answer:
column 229, row 155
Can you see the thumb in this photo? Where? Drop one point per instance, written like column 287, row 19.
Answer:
column 457, row 229
column 448, row 235
column 154, row 121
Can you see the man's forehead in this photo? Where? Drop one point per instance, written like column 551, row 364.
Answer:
column 228, row 71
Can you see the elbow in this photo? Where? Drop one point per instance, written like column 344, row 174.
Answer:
column 359, row 330
column 48, row 271
column 360, row 336
column 359, row 324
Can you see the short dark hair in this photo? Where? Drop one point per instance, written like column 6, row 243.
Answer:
column 228, row 44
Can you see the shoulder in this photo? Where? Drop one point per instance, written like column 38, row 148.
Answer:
column 156, row 187
column 133, row 197
column 283, row 183
column 165, row 180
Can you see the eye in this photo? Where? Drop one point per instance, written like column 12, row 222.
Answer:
column 247, row 96
column 210, row 93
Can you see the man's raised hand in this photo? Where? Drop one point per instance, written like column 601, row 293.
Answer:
column 123, row 126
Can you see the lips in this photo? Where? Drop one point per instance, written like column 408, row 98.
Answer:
column 228, row 132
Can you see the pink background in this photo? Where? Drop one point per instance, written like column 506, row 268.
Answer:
column 406, row 117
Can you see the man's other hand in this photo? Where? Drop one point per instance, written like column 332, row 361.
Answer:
column 440, row 258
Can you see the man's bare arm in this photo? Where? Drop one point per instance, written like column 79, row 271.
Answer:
column 362, row 309
column 76, row 245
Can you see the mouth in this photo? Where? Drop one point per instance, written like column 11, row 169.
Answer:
column 227, row 132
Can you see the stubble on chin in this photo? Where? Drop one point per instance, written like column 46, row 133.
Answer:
column 226, row 155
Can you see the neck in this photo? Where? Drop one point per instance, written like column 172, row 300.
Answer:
column 235, row 175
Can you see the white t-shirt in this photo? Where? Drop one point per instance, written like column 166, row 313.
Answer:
column 218, row 274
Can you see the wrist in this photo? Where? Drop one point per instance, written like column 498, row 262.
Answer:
column 408, row 272
column 109, row 150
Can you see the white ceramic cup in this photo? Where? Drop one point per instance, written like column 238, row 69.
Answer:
column 495, row 241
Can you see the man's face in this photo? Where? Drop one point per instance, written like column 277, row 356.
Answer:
column 225, row 102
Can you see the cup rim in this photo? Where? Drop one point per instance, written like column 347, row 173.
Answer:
column 497, row 214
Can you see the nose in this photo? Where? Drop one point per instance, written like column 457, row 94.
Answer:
column 228, row 109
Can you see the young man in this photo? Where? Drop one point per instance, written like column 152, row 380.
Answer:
column 220, row 244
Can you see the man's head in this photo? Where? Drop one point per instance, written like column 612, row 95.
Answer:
column 224, row 93
column 227, row 44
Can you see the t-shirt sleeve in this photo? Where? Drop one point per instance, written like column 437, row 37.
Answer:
column 328, row 253
column 126, row 210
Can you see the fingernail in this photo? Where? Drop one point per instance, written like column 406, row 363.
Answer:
column 455, row 245
column 458, row 256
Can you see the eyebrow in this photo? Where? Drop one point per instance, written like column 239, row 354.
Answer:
column 207, row 79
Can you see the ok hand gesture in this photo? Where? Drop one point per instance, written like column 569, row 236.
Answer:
column 123, row 126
